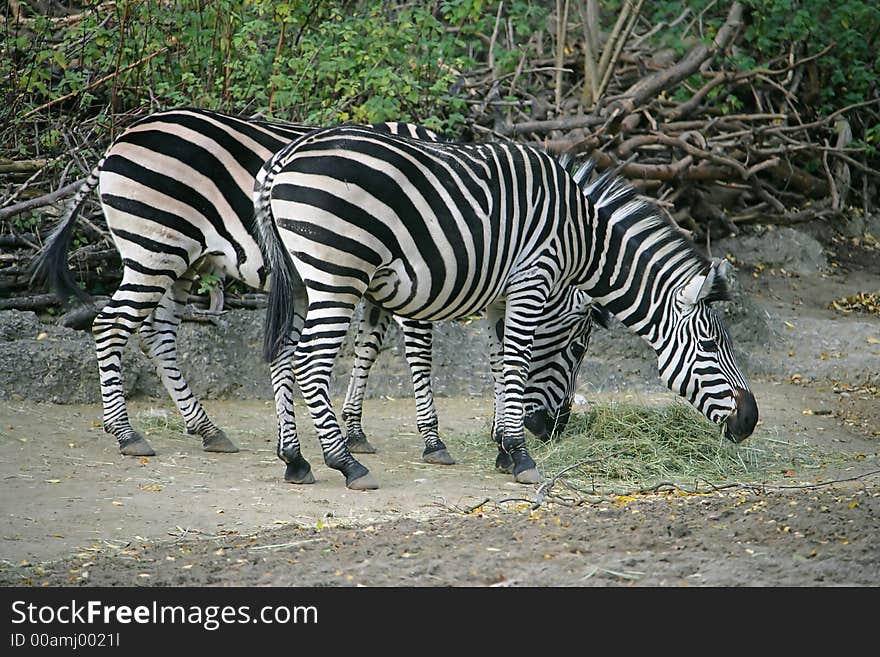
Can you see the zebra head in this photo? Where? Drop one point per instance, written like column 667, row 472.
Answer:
column 696, row 358
column 651, row 277
column 558, row 350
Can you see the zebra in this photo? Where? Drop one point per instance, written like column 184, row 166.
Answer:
column 434, row 231
column 175, row 189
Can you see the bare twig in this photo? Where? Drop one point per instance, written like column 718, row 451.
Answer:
column 561, row 25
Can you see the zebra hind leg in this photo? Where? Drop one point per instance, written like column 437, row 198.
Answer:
column 297, row 470
column 371, row 333
column 327, row 322
column 418, row 338
column 134, row 300
column 158, row 338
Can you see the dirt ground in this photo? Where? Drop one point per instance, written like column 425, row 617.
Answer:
column 74, row 512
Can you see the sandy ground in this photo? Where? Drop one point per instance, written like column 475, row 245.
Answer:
column 75, row 512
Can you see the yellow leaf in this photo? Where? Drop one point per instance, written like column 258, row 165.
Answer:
column 53, row 481
column 873, row 340
column 42, row 336
column 623, row 500
column 152, row 487
column 117, row 503
column 852, row 505
column 789, row 325
column 807, row 411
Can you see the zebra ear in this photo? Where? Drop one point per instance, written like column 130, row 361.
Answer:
column 708, row 287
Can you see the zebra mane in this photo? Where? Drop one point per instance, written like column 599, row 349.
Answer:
column 616, row 199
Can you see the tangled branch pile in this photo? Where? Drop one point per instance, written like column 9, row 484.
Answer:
column 726, row 113
column 719, row 141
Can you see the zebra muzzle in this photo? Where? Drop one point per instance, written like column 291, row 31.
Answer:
column 546, row 425
column 741, row 422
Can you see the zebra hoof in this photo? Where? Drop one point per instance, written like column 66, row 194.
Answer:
column 364, row 482
column 360, row 445
column 530, row 476
column 504, row 462
column 136, row 445
column 219, row 443
column 299, row 472
column 438, row 457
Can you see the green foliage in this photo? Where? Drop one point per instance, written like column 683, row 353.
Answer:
column 208, row 281
column 773, row 29
column 848, row 73
column 314, row 62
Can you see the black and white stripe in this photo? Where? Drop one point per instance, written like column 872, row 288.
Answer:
column 175, row 188
column 433, row 231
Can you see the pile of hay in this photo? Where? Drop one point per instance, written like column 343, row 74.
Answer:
column 622, row 446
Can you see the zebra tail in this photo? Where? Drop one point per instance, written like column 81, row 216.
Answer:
column 50, row 267
column 285, row 280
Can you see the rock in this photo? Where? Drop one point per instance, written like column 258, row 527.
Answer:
column 47, row 362
column 18, row 324
column 872, row 226
column 852, row 225
column 784, row 248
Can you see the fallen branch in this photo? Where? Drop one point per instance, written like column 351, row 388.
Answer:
column 22, row 166
column 648, row 88
column 46, row 199
column 36, row 302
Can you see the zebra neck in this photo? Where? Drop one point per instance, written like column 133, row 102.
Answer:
column 644, row 300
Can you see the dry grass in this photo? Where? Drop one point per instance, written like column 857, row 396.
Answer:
column 624, row 445
column 159, row 421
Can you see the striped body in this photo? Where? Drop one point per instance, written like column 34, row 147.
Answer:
column 175, row 188
column 434, row 231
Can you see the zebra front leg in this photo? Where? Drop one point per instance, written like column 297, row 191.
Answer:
column 418, row 336
column 495, row 314
column 525, row 304
column 326, row 325
column 158, row 337
column 371, row 333
column 298, row 470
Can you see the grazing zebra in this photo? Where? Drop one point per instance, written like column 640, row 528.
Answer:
column 433, row 231
column 175, row 188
